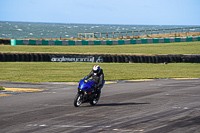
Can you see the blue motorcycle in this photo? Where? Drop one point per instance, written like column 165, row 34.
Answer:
column 86, row 93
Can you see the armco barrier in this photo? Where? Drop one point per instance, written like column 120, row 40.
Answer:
column 35, row 57
column 103, row 42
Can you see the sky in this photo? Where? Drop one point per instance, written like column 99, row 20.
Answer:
column 134, row 12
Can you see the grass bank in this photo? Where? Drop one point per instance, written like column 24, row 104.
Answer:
column 69, row 72
column 136, row 49
column 1, row 88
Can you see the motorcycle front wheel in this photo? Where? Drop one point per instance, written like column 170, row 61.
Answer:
column 78, row 100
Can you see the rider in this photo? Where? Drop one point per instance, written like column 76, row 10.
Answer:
column 98, row 77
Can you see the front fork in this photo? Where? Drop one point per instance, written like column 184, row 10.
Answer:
column 84, row 94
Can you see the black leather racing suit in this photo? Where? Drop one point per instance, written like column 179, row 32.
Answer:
column 98, row 79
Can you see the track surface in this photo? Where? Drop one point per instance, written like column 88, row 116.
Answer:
column 153, row 106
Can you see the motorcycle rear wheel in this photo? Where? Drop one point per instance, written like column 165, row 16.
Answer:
column 78, row 100
column 94, row 101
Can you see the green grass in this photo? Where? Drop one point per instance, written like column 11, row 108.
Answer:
column 66, row 72
column 144, row 49
column 1, row 88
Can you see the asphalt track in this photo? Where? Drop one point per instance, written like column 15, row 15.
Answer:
column 159, row 106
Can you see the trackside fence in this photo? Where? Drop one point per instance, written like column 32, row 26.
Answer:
column 137, row 33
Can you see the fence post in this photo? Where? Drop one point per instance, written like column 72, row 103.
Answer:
column 107, row 35
column 126, row 34
column 151, row 32
column 119, row 34
column 175, row 32
column 100, row 35
column 113, row 35
column 132, row 33
column 139, row 33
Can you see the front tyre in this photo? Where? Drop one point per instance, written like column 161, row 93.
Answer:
column 78, row 100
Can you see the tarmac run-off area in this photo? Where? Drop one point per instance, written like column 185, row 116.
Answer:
column 148, row 106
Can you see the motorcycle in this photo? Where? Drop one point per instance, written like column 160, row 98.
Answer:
column 86, row 93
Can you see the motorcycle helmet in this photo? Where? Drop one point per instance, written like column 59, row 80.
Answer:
column 96, row 69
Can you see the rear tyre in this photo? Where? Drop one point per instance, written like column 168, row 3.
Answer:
column 78, row 100
column 95, row 100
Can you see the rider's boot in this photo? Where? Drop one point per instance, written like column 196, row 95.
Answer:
column 98, row 94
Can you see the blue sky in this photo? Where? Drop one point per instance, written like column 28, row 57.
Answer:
column 141, row 12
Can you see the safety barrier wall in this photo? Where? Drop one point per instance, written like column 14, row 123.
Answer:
column 5, row 41
column 103, row 42
column 35, row 57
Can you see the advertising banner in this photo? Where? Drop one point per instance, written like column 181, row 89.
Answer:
column 76, row 58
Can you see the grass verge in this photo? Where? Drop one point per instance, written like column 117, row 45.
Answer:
column 136, row 49
column 70, row 72
column 1, row 88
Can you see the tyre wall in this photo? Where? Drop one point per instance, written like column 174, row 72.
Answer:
column 5, row 41
column 35, row 57
column 15, row 57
